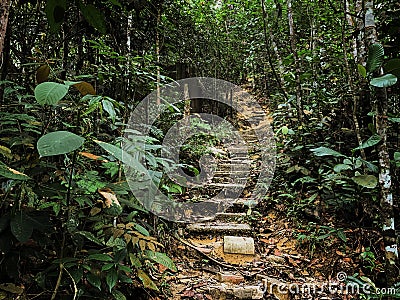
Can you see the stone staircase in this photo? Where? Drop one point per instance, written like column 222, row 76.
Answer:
column 227, row 239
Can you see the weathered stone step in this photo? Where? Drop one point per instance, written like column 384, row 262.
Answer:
column 227, row 185
column 229, row 217
column 236, row 161
column 239, row 245
column 218, row 227
column 229, row 172
column 235, row 167
column 237, row 202
column 247, row 292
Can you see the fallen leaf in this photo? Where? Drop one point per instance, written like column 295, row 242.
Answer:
column 347, row 259
column 340, row 253
column 188, row 293
column 277, row 252
column 92, row 156
column 110, row 198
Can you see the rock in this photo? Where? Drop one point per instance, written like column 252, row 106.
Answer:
column 230, row 278
column 239, row 245
column 276, row 259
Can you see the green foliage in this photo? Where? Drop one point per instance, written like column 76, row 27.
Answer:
column 10, row 173
column 59, row 142
column 85, row 222
column 324, row 151
column 55, row 12
column 362, row 70
column 94, row 17
column 320, row 236
column 372, row 141
column 367, row 181
column 122, row 155
column 162, row 259
column 375, row 58
column 392, row 66
column 50, row 93
column 384, row 81
column 20, row 228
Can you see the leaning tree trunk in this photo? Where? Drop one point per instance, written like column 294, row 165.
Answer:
column 380, row 103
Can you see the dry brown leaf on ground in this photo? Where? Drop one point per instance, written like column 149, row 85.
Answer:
column 110, row 197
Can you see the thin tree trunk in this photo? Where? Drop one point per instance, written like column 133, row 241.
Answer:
column 4, row 12
column 350, row 80
column 361, row 49
column 158, row 55
column 380, row 103
column 270, row 43
column 292, row 34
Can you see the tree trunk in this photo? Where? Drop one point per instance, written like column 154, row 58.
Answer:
column 380, row 103
column 352, row 91
column 158, row 56
column 270, row 43
column 4, row 12
column 296, row 61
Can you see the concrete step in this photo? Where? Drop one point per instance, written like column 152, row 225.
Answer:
column 215, row 227
column 247, row 292
column 229, row 217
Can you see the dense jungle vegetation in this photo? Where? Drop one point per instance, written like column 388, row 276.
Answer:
column 72, row 72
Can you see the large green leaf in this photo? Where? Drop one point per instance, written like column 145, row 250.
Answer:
column 94, row 280
column 341, row 167
column 367, row 181
column 111, row 278
column 59, row 142
column 94, row 17
column 369, row 165
column 375, row 57
column 393, row 67
column 372, row 141
column 100, row 257
column 122, row 155
column 324, row 151
column 50, row 92
column 109, row 108
column 21, row 227
column 384, row 81
column 55, row 12
column 162, row 259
